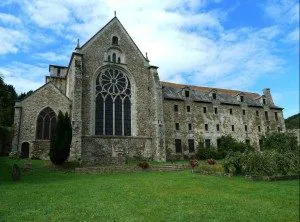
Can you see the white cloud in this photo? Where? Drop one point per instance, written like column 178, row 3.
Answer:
column 188, row 44
column 293, row 36
column 11, row 40
column 283, row 11
column 53, row 57
column 24, row 77
column 10, row 19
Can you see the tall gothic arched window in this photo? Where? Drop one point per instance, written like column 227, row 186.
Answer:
column 46, row 123
column 113, row 103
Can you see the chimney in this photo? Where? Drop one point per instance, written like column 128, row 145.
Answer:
column 267, row 94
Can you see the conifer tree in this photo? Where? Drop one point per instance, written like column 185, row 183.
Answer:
column 61, row 140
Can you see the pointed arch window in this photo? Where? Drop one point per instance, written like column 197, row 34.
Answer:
column 46, row 123
column 113, row 103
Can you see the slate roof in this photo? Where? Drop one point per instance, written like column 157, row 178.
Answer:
column 201, row 94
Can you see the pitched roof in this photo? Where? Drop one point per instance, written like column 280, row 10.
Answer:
column 201, row 94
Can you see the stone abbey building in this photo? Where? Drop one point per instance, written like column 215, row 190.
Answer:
column 119, row 107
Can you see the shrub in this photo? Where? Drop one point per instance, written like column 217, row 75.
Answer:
column 207, row 153
column 144, row 165
column 232, row 163
column 228, row 143
column 193, row 164
column 211, row 161
column 5, row 140
column 267, row 163
column 61, row 140
column 260, row 163
column 281, row 142
column 216, row 169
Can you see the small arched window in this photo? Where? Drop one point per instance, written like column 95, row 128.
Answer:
column 115, row 40
column 114, row 58
column 46, row 123
column 119, row 60
column 108, row 58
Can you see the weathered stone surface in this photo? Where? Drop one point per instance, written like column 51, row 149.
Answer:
column 73, row 90
column 16, row 173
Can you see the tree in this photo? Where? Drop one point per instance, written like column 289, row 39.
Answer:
column 61, row 140
column 293, row 122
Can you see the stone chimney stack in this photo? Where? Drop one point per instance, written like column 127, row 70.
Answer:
column 267, row 94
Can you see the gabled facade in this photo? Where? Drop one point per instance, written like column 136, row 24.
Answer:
column 120, row 109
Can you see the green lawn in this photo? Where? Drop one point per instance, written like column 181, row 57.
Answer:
column 45, row 194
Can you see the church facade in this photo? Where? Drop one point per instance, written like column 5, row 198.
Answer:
column 120, row 109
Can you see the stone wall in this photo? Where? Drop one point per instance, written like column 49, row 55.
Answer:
column 40, row 149
column 102, row 150
column 198, row 119
column 27, row 112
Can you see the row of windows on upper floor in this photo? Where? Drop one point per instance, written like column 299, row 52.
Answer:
column 207, row 144
column 214, row 96
column 177, row 127
column 188, row 109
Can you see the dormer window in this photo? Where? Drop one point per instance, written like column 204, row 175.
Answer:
column 115, row 40
column 187, row 93
column 214, row 95
column 242, row 98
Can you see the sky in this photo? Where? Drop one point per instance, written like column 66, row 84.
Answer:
column 246, row 45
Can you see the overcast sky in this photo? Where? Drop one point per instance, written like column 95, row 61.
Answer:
column 238, row 44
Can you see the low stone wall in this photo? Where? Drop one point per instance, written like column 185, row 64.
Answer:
column 40, row 149
column 131, row 168
column 104, row 150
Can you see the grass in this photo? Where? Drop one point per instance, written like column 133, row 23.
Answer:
column 47, row 194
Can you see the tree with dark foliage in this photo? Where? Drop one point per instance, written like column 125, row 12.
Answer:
column 61, row 140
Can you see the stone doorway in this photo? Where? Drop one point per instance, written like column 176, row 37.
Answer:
column 25, row 150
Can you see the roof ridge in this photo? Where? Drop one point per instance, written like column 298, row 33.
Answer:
column 210, row 88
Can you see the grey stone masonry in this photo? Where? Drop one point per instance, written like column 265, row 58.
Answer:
column 120, row 109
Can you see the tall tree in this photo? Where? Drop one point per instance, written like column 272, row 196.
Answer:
column 61, row 140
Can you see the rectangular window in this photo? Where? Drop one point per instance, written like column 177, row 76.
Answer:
column 207, row 143
column 257, row 113
column 206, row 127
column 58, row 71
column 232, row 127
column 175, row 108
column 268, row 128
column 204, row 109
column 188, row 109
column 266, row 115
column 246, row 128
column 244, row 112
column 187, row 93
column 177, row 126
column 218, row 127
column 230, row 111
column 216, row 110
column 218, row 143
column 190, row 126
column 191, row 145
column 178, row 145
column 279, row 129
column 242, row 98
column 258, row 128
column 248, row 142
column 214, row 95
column 264, row 101
column 276, row 116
